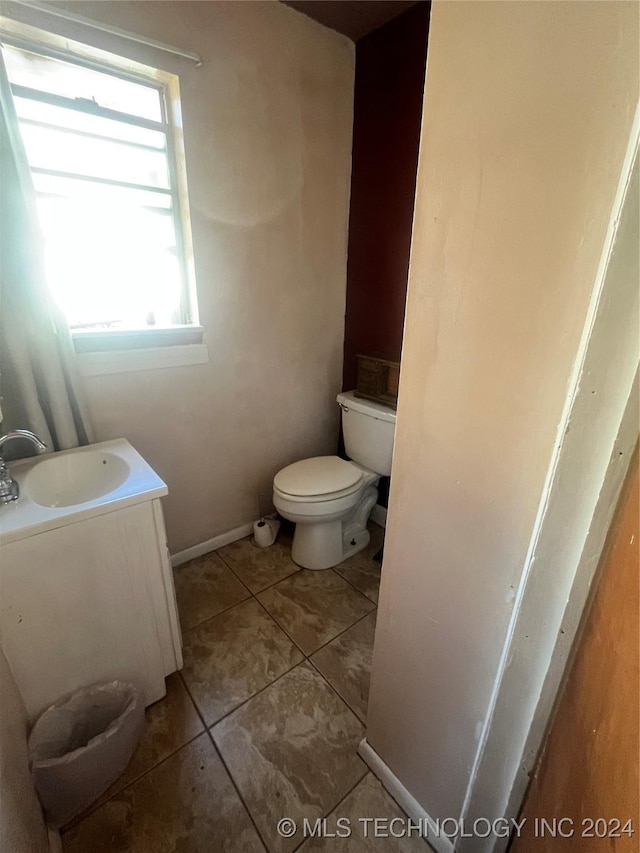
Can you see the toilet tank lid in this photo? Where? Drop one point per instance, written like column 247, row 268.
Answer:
column 320, row 475
column 366, row 407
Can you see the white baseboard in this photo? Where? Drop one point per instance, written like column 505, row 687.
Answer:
column 379, row 515
column 213, row 544
column 55, row 842
column 440, row 843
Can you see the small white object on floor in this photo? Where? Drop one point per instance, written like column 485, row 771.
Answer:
column 265, row 531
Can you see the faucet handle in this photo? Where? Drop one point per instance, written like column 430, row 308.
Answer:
column 9, row 489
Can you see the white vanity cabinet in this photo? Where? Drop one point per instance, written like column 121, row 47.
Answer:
column 91, row 600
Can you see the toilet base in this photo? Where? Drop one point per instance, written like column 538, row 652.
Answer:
column 356, row 543
column 322, row 545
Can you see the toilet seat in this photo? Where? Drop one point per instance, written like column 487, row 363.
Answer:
column 320, row 478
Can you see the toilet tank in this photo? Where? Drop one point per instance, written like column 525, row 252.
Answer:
column 368, row 429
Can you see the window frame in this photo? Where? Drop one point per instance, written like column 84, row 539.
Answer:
column 35, row 40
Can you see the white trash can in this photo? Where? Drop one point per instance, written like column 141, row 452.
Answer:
column 81, row 745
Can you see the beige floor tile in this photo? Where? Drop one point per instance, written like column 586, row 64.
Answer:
column 367, row 800
column 230, row 657
column 257, row 567
column 292, row 752
column 204, row 587
column 185, row 804
column 314, row 607
column 362, row 570
column 346, row 664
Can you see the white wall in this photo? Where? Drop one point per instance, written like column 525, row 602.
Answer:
column 527, row 114
column 22, row 826
column 598, row 435
column 267, row 127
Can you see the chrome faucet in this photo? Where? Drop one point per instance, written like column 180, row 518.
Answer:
column 9, row 489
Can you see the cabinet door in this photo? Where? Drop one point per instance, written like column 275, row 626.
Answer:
column 75, row 607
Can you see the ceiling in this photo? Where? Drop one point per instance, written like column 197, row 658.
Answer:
column 352, row 18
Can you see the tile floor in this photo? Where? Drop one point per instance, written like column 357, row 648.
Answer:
column 264, row 720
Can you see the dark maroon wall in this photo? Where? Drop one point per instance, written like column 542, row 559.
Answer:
column 390, row 65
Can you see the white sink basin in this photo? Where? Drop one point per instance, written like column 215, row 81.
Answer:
column 75, row 478
column 70, row 485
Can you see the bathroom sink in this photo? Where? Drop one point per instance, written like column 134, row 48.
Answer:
column 75, row 478
column 68, row 486
column 85, row 575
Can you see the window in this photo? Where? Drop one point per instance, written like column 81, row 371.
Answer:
column 112, row 203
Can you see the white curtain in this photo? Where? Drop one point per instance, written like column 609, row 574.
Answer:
column 40, row 388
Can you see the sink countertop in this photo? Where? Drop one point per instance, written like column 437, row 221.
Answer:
column 25, row 517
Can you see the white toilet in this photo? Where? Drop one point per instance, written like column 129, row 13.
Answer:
column 331, row 499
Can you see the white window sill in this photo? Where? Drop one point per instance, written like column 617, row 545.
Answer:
column 107, row 340
column 103, row 363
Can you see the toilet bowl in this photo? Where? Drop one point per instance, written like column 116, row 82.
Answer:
column 330, row 499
